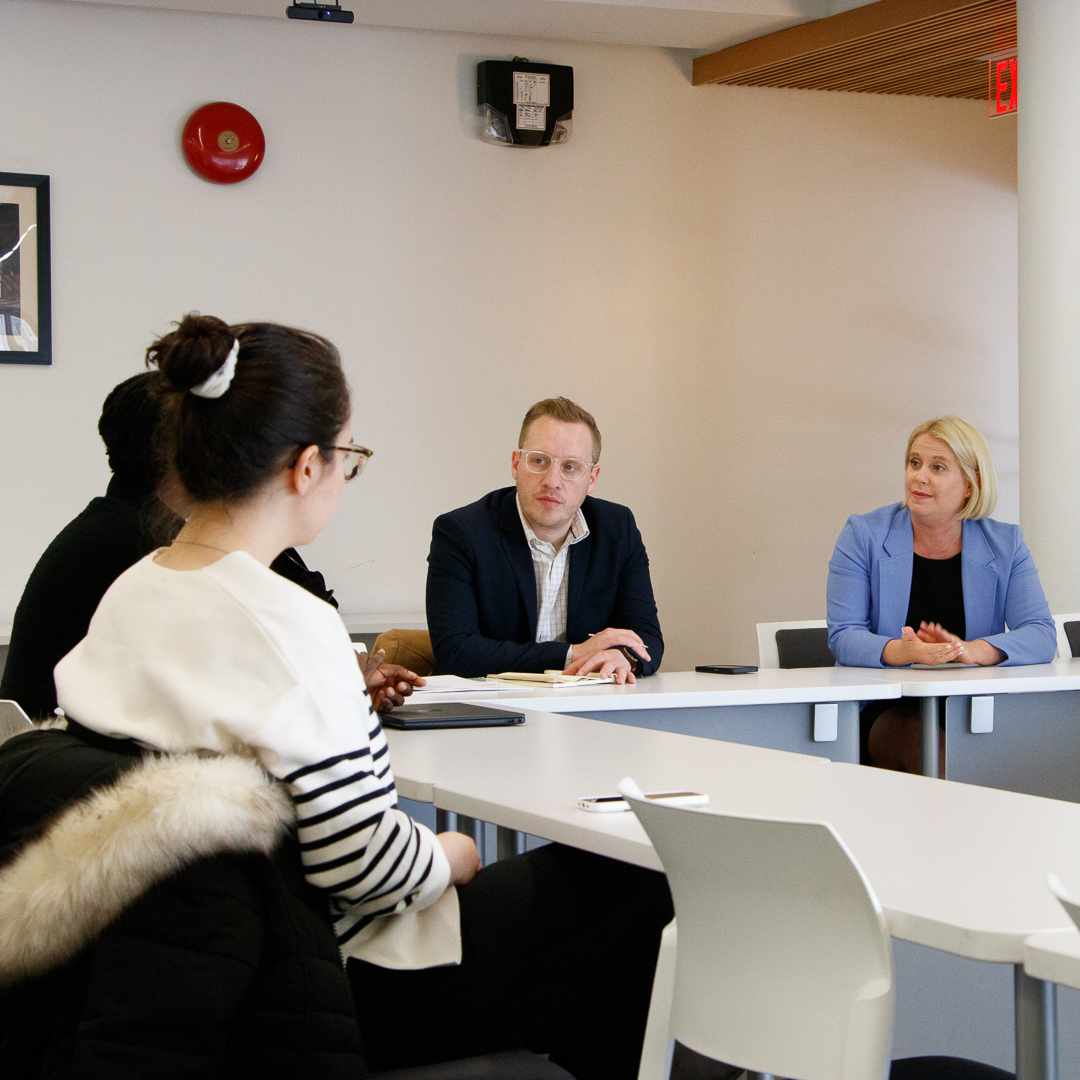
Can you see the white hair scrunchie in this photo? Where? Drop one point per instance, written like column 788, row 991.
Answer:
column 218, row 382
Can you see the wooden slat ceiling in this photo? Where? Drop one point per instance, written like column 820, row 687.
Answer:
column 933, row 48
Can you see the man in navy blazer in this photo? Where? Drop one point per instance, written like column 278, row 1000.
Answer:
column 541, row 575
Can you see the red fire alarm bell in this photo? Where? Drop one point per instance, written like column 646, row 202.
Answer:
column 223, row 143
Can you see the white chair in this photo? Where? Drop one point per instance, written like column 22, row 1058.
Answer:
column 768, row 657
column 13, row 721
column 783, row 957
column 1064, row 649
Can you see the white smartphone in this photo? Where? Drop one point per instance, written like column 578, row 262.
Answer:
column 613, row 804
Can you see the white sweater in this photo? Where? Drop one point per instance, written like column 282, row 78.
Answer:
column 233, row 658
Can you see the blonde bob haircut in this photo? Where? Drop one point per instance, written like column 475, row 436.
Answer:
column 973, row 456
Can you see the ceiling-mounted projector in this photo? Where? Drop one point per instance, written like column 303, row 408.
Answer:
column 319, row 12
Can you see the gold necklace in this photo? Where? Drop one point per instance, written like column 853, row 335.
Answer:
column 195, row 543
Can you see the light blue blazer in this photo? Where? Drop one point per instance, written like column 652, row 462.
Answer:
column 870, row 587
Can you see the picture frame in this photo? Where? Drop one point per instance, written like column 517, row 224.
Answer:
column 25, row 270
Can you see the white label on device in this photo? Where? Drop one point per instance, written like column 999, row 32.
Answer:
column 532, row 88
column 531, row 117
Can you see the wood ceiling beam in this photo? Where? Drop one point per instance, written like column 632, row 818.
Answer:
column 937, row 38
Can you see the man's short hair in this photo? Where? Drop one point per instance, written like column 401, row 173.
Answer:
column 128, row 427
column 569, row 412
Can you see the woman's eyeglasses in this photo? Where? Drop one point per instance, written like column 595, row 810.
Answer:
column 355, row 459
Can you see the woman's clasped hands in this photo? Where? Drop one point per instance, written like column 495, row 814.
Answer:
column 933, row 645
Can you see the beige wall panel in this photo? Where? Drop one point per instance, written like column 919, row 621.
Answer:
column 757, row 292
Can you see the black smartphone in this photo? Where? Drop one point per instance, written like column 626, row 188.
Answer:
column 727, row 669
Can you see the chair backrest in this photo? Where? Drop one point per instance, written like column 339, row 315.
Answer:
column 1068, row 634
column 410, row 648
column 13, row 721
column 784, row 962
column 794, row 644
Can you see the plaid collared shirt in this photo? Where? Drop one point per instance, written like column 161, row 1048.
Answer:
column 552, row 579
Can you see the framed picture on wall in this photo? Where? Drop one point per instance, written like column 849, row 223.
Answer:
column 25, row 279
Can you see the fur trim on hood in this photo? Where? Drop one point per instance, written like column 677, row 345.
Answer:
column 103, row 853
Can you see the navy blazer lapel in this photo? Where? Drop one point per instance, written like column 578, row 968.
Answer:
column 980, row 581
column 577, row 566
column 894, row 575
column 516, row 547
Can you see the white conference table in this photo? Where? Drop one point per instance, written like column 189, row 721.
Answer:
column 1023, row 735
column 782, row 709
column 1054, row 956
column 424, row 760
column 956, row 867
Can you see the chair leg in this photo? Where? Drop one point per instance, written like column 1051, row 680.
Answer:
column 659, row 1045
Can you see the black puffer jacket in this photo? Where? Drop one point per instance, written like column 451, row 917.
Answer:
column 154, row 921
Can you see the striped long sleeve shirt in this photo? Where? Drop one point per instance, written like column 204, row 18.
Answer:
column 233, row 658
column 372, row 859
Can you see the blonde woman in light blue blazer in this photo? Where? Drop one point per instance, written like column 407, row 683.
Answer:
column 937, row 557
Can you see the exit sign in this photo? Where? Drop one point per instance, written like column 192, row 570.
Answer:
column 1002, row 85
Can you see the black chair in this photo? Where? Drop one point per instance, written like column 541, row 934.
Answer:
column 509, row 1065
column 805, row 647
column 945, row 1068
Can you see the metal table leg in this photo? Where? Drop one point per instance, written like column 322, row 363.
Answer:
column 1036, row 1027
column 509, row 842
column 448, row 821
column 928, row 718
column 469, row 826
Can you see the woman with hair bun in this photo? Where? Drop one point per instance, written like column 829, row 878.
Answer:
column 934, row 580
column 200, row 647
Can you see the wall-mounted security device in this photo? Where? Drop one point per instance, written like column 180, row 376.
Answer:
column 319, row 12
column 524, row 104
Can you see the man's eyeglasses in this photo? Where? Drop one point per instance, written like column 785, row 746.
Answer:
column 355, row 459
column 570, row 468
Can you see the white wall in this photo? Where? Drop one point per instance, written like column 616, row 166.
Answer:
column 757, row 292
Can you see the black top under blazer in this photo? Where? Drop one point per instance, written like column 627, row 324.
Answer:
column 481, row 588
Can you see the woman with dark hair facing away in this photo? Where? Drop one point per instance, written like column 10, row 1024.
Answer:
column 137, row 512
column 199, row 647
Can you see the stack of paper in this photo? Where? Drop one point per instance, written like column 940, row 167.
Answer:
column 454, row 684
